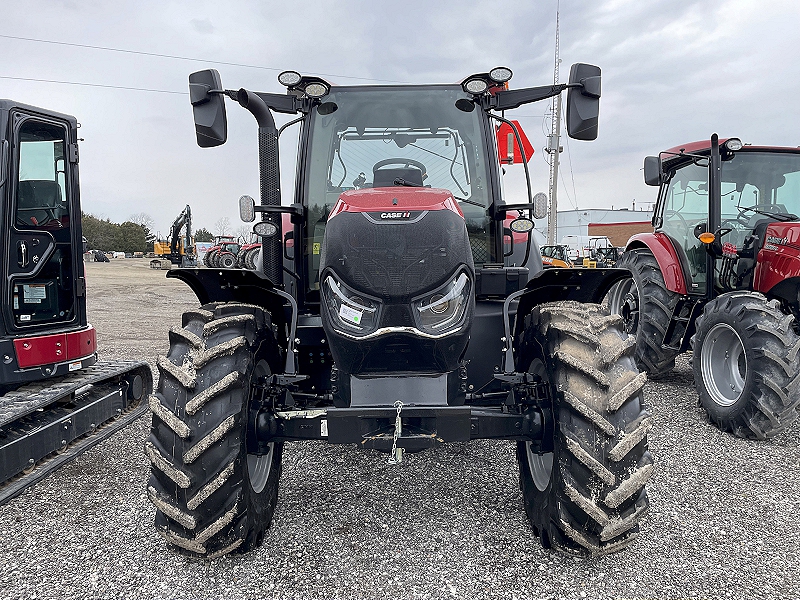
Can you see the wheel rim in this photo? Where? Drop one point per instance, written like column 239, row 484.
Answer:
column 724, row 364
column 540, row 465
column 623, row 300
column 259, row 466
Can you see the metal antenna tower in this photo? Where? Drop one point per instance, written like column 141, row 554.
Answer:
column 553, row 150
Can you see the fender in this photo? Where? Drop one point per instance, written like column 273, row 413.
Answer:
column 240, row 285
column 778, row 266
column 551, row 285
column 667, row 257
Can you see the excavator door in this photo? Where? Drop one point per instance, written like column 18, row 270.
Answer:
column 41, row 218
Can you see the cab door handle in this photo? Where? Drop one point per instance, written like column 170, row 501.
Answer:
column 22, row 254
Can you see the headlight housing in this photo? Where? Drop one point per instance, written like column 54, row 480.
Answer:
column 444, row 309
column 350, row 310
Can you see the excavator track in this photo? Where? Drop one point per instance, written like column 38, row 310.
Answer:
column 44, row 426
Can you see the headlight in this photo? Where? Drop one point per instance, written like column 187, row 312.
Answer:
column 349, row 309
column 444, row 308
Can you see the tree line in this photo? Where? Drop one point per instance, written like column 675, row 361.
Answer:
column 134, row 235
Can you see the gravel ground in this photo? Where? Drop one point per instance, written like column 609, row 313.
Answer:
column 447, row 523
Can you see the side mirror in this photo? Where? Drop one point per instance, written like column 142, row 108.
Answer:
column 540, row 205
column 583, row 103
column 652, row 170
column 210, row 122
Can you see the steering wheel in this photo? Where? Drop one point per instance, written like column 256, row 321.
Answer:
column 668, row 214
column 406, row 162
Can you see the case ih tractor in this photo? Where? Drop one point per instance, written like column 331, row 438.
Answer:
column 721, row 273
column 57, row 399
column 223, row 253
column 400, row 320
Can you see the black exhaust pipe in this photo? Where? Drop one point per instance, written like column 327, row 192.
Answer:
column 270, row 183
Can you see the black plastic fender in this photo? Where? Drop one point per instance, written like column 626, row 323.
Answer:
column 240, row 285
column 553, row 285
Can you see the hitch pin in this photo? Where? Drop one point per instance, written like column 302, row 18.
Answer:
column 396, row 457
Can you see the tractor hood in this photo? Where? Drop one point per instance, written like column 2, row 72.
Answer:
column 397, row 281
column 395, row 243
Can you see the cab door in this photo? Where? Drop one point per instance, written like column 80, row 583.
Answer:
column 41, row 213
column 685, row 213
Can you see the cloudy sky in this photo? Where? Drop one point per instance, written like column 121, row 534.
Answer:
column 672, row 72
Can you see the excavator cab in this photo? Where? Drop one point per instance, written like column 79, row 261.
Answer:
column 43, row 271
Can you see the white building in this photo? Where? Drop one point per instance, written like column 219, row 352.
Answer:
column 617, row 224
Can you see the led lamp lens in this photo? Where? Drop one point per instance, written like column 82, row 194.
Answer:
column 316, row 90
column 500, row 74
column 348, row 309
column 476, row 86
column 289, row 78
column 265, row 229
column 734, row 144
column 443, row 309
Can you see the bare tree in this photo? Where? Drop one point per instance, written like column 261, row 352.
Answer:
column 245, row 233
column 143, row 219
column 222, row 226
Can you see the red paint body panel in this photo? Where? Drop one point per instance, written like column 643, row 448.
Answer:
column 57, row 348
column 666, row 256
column 395, row 199
column 779, row 257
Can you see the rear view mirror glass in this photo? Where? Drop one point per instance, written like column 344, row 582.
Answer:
column 583, row 103
column 210, row 122
column 652, row 170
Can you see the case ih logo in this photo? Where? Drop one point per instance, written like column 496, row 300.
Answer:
column 395, row 215
column 776, row 240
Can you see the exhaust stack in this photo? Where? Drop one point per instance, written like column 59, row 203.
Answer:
column 269, row 182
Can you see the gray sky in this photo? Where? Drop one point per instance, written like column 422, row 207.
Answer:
column 673, row 72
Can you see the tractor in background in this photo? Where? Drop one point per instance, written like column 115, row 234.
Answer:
column 721, row 275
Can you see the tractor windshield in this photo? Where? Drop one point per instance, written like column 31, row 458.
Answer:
column 759, row 184
column 376, row 136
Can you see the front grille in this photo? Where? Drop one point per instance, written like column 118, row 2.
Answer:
column 396, row 261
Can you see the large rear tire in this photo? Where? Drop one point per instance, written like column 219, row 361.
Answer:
column 747, row 365
column 646, row 306
column 211, row 496
column 587, row 496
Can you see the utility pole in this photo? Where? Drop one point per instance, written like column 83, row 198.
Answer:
column 553, row 150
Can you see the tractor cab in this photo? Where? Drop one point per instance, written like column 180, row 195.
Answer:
column 715, row 215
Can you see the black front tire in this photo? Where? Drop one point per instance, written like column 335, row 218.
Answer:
column 588, row 495
column 211, row 496
column 747, row 365
column 647, row 306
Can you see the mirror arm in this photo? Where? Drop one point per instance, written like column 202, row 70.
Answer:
column 284, row 103
column 508, row 99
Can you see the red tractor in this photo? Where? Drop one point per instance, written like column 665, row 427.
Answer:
column 398, row 309
column 223, row 253
column 721, row 275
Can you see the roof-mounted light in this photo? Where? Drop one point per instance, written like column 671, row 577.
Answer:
column 316, row 89
column 289, row 78
column 475, row 86
column 733, row 144
column 500, row 74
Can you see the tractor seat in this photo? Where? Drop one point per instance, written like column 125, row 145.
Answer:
column 386, row 177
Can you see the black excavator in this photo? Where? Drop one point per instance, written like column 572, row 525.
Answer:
column 57, row 399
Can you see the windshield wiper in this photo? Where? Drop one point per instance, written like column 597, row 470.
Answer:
column 459, row 199
column 781, row 216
